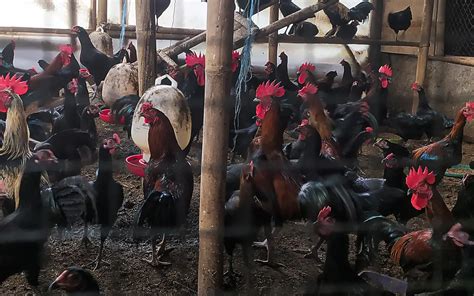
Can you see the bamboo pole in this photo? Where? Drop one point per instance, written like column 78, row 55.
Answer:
column 273, row 38
column 214, row 146
column 73, row 19
column 335, row 40
column 424, row 48
column 376, row 25
column 125, row 41
column 440, row 28
column 102, row 12
column 93, row 15
column 165, row 30
column 146, row 44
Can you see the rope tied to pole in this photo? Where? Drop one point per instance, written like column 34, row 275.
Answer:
column 245, row 64
column 122, row 30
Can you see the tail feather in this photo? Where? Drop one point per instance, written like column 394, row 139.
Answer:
column 361, row 11
column 75, row 196
column 125, row 108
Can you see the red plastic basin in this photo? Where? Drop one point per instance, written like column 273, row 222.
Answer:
column 106, row 116
column 136, row 165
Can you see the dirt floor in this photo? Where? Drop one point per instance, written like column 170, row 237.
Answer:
column 129, row 275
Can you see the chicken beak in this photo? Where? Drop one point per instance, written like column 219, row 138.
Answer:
column 53, row 286
column 256, row 100
column 409, row 192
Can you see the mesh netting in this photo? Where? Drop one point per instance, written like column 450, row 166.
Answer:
column 459, row 28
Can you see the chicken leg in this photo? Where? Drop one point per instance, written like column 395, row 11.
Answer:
column 268, row 244
column 86, row 242
column 99, row 261
column 156, row 255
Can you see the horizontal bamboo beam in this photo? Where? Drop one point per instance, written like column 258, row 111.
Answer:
column 163, row 30
column 334, row 40
column 464, row 61
column 298, row 16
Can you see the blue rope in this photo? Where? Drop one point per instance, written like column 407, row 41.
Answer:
column 245, row 64
column 124, row 16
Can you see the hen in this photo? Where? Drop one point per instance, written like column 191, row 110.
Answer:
column 400, row 21
column 167, row 186
column 339, row 15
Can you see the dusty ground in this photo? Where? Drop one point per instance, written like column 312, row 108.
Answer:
column 128, row 275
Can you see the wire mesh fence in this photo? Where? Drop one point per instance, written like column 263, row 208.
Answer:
column 459, row 28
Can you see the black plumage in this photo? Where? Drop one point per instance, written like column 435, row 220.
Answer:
column 76, row 281
column 124, row 108
column 161, row 6
column 400, row 21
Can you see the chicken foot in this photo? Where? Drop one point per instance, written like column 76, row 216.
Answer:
column 313, row 251
column 99, row 261
column 86, row 242
column 268, row 244
column 156, row 255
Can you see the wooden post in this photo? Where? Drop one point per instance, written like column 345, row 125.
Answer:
column 93, row 16
column 220, row 24
column 376, row 25
column 440, row 28
column 73, row 19
column 424, row 48
column 146, row 44
column 102, row 12
column 273, row 37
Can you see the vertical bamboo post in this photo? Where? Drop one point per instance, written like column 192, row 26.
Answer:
column 102, row 12
column 273, row 38
column 219, row 41
column 72, row 19
column 440, row 28
column 146, row 44
column 424, row 48
column 376, row 25
column 93, row 15
column 125, row 41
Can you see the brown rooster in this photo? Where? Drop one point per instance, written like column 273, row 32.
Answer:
column 440, row 156
column 434, row 254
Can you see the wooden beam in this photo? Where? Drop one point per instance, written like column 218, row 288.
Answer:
column 423, row 51
column 73, row 19
column 159, row 29
column 214, row 147
column 93, row 15
column 273, row 37
column 376, row 25
column 298, row 16
column 102, row 12
column 440, row 28
column 146, row 44
column 335, row 40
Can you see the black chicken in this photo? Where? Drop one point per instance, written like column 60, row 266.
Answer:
column 400, row 21
column 160, row 7
column 24, row 232
column 70, row 118
column 109, row 193
column 302, row 29
column 282, row 74
column 340, row 15
column 347, row 31
column 76, row 281
column 95, row 61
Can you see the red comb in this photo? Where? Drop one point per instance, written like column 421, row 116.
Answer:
column 369, row 129
column 66, row 48
column 14, row 84
column 415, row 86
column 417, row 177
column 308, row 89
column 116, row 138
column 304, row 122
column 470, row 105
column 386, row 70
column 324, row 213
column 193, row 59
column 270, row 89
column 308, row 67
column 235, row 55
column 83, row 70
column 146, row 106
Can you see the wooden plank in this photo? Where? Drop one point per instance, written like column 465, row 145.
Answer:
column 102, row 12
column 93, row 15
column 376, row 25
column 159, row 29
column 334, row 40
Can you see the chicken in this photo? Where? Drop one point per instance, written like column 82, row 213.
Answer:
column 441, row 155
column 82, row 96
column 109, row 192
column 305, row 74
column 160, row 7
column 167, row 186
column 70, row 118
column 347, row 31
column 123, row 109
column 337, row 271
column 20, row 250
column 377, row 95
column 400, row 21
column 282, row 74
column 462, row 210
column 302, row 29
column 15, row 149
column 193, row 89
column 430, row 257
column 95, row 61
column 339, row 15
column 76, row 281
column 132, row 53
